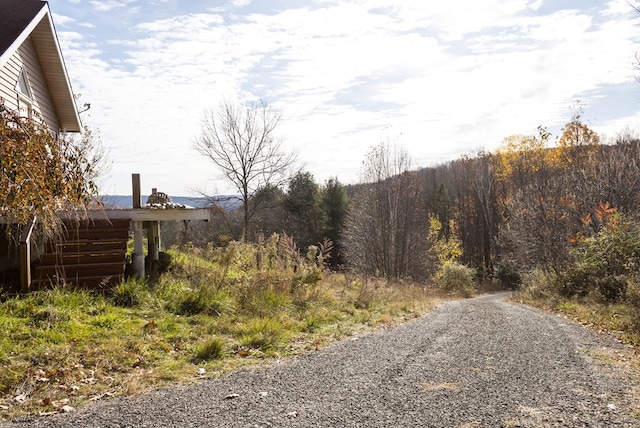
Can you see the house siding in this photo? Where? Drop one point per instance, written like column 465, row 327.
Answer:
column 42, row 103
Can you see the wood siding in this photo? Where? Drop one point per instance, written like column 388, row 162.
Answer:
column 42, row 103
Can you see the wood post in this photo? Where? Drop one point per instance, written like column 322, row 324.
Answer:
column 25, row 256
column 153, row 240
column 137, row 260
column 137, row 195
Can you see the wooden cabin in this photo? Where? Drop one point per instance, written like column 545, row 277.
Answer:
column 34, row 81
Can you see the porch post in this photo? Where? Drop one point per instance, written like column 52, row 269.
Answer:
column 153, row 240
column 137, row 260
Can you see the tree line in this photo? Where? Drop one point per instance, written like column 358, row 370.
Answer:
column 527, row 205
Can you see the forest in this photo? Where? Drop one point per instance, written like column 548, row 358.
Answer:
column 562, row 210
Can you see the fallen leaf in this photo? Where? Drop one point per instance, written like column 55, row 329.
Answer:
column 447, row 386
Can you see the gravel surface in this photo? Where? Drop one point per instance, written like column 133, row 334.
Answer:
column 479, row 362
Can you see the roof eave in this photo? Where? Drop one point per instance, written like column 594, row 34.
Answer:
column 55, row 71
column 44, row 37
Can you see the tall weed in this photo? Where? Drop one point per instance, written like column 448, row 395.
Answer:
column 454, row 277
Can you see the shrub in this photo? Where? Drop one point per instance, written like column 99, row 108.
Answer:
column 212, row 349
column 129, row 294
column 203, row 300
column 538, row 284
column 603, row 262
column 365, row 295
column 311, row 276
column 262, row 333
column 454, row 277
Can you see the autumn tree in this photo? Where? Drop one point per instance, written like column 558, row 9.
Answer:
column 241, row 141
column 577, row 143
column 544, row 192
column 42, row 174
column 520, row 157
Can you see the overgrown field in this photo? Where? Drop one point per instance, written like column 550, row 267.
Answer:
column 208, row 312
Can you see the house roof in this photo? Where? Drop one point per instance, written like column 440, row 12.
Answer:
column 20, row 19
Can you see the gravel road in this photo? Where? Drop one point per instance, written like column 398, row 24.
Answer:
column 479, row 362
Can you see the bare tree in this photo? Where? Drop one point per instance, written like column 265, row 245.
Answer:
column 241, row 141
column 384, row 233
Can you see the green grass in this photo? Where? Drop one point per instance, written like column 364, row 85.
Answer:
column 212, row 309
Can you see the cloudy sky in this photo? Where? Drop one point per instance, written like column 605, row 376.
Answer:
column 442, row 78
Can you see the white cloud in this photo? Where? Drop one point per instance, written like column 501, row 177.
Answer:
column 345, row 75
column 62, row 20
column 109, row 5
column 619, row 8
column 241, row 3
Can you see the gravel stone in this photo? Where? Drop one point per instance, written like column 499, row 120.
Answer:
column 480, row 362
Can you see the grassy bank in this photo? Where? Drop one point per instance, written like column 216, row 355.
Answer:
column 619, row 318
column 209, row 312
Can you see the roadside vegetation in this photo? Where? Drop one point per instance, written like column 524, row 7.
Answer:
column 207, row 311
column 600, row 285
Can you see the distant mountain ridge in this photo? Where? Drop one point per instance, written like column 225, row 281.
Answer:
column 228, row 202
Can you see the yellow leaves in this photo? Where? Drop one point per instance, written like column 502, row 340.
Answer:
column 446, row 249
column 576, row 134
column 519, row 155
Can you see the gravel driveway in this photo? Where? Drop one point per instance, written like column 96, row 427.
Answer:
column 479, row 362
